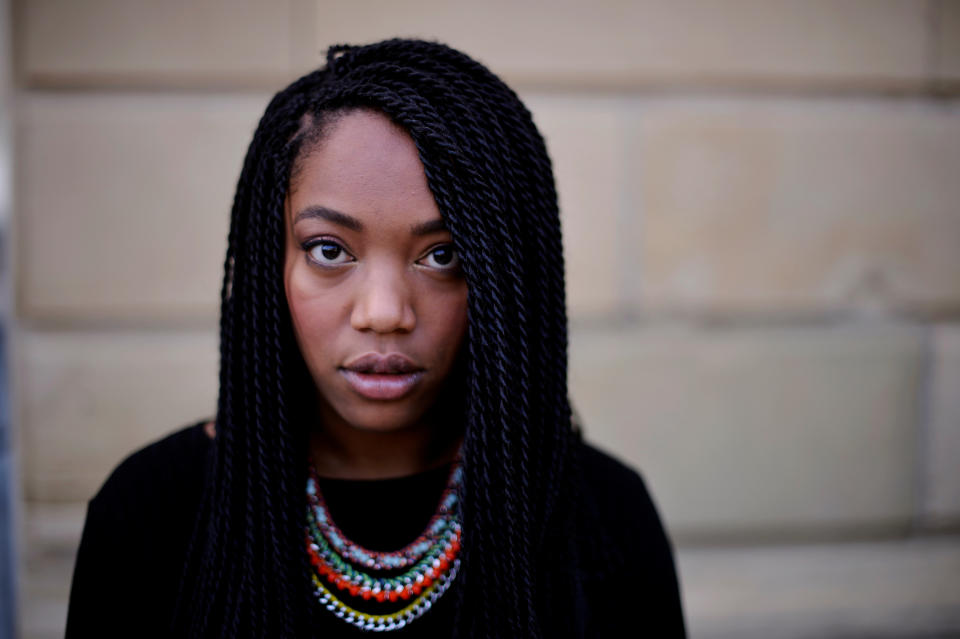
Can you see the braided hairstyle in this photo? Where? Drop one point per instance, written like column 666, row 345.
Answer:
column 488, row 170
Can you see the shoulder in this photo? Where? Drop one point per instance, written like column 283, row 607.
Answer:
column 620, row 515
column 145, row 511
column 616, row 494
column 602, row 469
column 626, row 553
column 167, row 469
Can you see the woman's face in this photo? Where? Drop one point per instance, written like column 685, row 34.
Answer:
column 377, row 298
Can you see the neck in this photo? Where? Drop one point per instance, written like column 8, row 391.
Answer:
column 345, row 452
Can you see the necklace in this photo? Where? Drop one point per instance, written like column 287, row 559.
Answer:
column 385, row 590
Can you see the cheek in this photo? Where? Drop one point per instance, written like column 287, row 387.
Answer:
column 313, row 315
column 451, row 318
column 288, row 283
column 299, row 313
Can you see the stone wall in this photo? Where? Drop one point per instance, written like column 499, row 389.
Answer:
column 760, row 207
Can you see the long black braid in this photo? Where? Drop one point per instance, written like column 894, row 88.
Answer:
column 488, row 169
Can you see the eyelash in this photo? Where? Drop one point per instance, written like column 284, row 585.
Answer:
column 309, row 246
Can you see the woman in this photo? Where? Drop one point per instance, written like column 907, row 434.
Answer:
column 393, row 447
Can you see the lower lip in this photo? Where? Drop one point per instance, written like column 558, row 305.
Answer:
column 376, row 386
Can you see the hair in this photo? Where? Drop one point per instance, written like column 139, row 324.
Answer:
column 488, row 170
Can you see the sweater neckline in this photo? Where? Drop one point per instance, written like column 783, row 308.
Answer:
column 443, row 469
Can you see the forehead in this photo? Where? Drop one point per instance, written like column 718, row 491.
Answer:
column 364, row 165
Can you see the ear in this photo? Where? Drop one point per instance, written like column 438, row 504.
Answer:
column 210, row 428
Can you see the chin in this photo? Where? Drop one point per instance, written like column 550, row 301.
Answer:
column 382, row 419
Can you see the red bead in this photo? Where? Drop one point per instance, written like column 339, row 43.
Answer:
column 366, row 594
column 427, row 580
column 354, row 589
column 416, row 589
column 394, row 595
column 381, row 596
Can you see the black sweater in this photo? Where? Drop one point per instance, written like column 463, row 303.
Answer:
column 139, row 524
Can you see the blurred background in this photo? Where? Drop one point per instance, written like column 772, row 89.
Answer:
column 761, row 208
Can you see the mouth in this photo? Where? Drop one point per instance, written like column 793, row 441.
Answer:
column 382, row 377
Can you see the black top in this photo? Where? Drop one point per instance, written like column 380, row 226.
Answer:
column 139, row 524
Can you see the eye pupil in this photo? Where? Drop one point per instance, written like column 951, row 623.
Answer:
column 443, row 255
column 330, row 251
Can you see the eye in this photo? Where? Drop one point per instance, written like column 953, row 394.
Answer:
column 442, row 257
column 327, row 253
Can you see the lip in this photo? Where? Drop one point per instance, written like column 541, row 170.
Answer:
column 388, row 364
column 382, row 376
column 381, row 386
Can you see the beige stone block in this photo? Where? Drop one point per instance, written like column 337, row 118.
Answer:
column 585, row 140
column 947, row 45
column 877, row 589
column 124, row 202
column 48, row 549
column 623, row 42
column 779, row 205
column 942, row 441
column 766, row 431
column 87, row 400
column 148, row 43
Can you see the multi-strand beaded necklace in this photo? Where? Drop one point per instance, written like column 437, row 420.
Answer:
column 383, row 591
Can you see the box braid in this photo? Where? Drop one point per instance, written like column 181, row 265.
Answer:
column 488, row 170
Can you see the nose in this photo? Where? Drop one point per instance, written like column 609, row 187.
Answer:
column 383, row 302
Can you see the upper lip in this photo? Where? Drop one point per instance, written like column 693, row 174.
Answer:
column 389, row 364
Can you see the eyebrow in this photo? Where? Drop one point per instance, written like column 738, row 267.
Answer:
column 352, row 223
column 426, row 228
column 323, row 213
